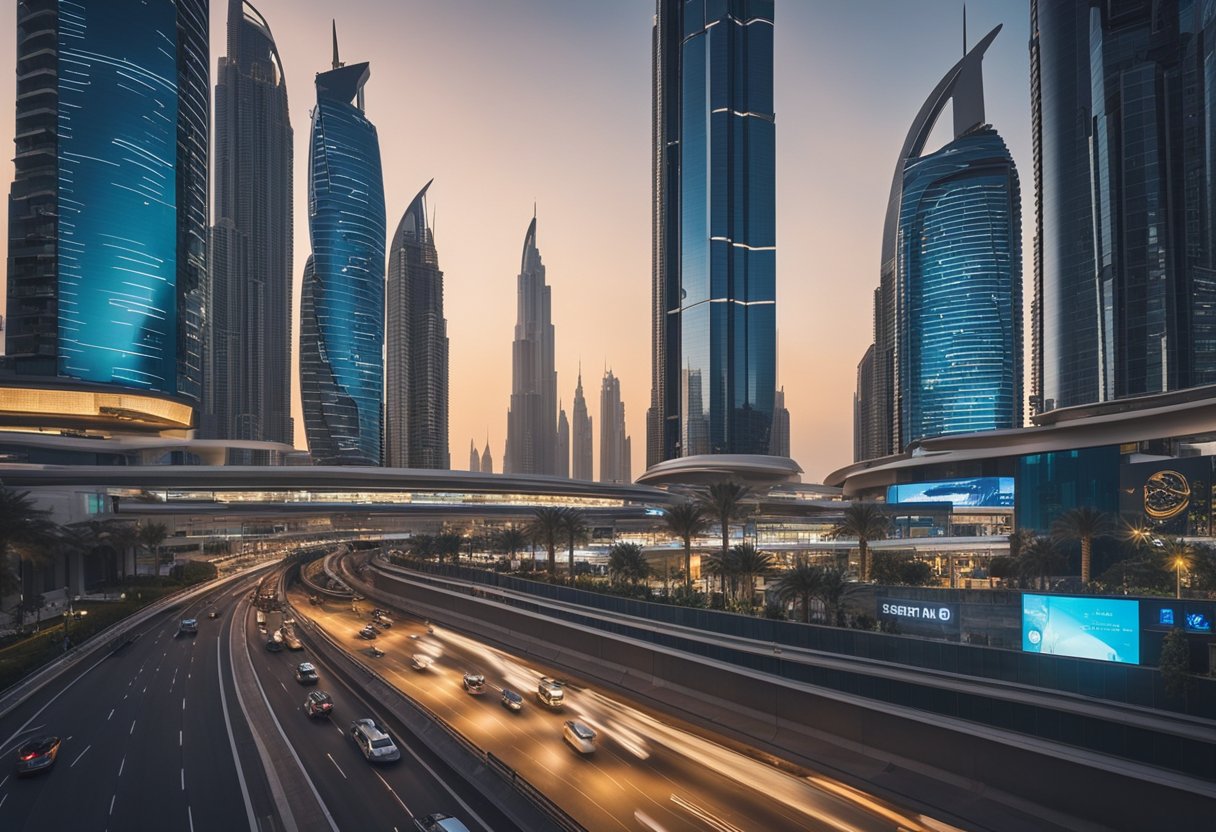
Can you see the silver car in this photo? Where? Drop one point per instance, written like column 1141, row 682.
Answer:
column 375, row 743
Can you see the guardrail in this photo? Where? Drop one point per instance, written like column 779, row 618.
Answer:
column 553, row 812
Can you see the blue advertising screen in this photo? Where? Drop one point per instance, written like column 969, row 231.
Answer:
column 987, row 492
column 1084, row 627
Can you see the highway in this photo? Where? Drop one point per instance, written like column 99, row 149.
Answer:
column 151, row 735
column 357, row 794
column 647, row 773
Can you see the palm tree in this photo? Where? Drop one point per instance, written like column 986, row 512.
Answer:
column 1040, row 559
column 422, row 546
column 686, row 520
column 833, row 587
column 546, row 528
column 1083, row 524
column 864, row 521
column 725, row 502
column 800, row 584
column 626, row 563
column 511, row 539
column 24, row 529
column 750, row 564
column 151, row 536
column 449, row 543
column 574, row 527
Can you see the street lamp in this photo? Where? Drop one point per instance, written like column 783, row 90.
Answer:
column 1179, row 562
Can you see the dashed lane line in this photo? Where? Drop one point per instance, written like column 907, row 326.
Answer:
column 78, row 756
column 338, row 767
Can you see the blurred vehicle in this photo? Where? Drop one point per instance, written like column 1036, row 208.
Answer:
column 37, row 754
column 189, row 626
column 551, row 693
column 290, row 640
column 368, row 632
column 474, row 683
column 306, row 674
column 318, row 703
column 579, row 737
column 274, row 645
column 439, row 822
column 213, row 615
column 511, row 700
column 383, row 620
column 420, row 662
column 375, row 743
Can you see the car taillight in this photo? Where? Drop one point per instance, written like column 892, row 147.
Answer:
column 29, row 756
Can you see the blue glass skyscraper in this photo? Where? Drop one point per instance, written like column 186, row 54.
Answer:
column 108, row 209
column 714, row 281
column 947, row 352
column 342, row 306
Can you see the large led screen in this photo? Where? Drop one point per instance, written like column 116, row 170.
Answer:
column 974, row 491
column 1084, row 627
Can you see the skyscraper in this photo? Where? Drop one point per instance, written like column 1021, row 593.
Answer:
column 342, row 302
column 563, row 443
column 781, row 426
column 474, row 458
column 714, row 247
column 416, row 333
column 487, row 461
column 532, row 417
column 948, row 325
column 107, row 268
column 614, row 442
column 581, row 447
column 1123, row 100
column 248, row 390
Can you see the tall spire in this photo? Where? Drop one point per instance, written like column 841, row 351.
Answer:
column 964, row 30
column 337, row 63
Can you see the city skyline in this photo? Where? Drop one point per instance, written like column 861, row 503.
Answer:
column 600, row 247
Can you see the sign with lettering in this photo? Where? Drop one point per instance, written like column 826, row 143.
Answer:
column 920, row 618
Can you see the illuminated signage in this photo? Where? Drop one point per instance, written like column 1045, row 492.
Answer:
column 985, row 492
column 920, row 618
column 1088, row 627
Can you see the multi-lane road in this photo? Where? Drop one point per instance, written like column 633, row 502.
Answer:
column 647, row 772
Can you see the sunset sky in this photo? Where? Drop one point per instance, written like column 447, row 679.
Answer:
column 510, row 102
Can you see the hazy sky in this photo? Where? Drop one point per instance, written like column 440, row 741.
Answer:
column 510, row 102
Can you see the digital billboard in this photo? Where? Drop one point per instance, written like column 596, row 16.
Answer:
column 1171, row 497
column 984, row 492
column 1085, row 627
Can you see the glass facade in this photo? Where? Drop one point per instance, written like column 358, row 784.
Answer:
column 715, row 226
column 1049, row 484
column 960, row 266
column 342, row 308
column 1125, row 268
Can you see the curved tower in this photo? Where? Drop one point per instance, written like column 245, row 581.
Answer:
column 416, row 334
column 249, row 349
column 342, row 302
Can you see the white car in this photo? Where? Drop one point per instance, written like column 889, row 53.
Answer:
column 420, row 662
column 579, row 737
column 375, row 743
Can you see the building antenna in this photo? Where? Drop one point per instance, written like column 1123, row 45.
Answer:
column 337, row 63
column 964, row 30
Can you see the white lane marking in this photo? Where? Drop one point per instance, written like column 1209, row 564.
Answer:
column 335, row 762
column 124, row 696
column 183, row 703
column 240, row 772
column 395, row 796
column 111, row 714
column 179, row 739
column 183, row 779
column 112, row 799
column 2, row 799
column 339, row 730
column 284, row 687
column 132, row 731
column 5, row 780
column 145, row 690
column 704, row 815
column 78, row 756
column 190, row 817
column 122, row 765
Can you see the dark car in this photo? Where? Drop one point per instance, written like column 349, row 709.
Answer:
column 37, row 754
column 511, row 700
column 306, row 674
column 273, row 645
column 474, row 683
column 318, row 703
column 439, row 822
column 368, row 632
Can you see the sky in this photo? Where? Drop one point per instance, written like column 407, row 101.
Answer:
column 511, row 103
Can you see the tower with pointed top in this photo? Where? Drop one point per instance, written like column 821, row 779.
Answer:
column 614, row 441
column 563, row 443
column 248, row 378
column 487, row 461
column 474, row 458
column 342, row 302
column 532, row 416
column 416, row 347
column 580, row 435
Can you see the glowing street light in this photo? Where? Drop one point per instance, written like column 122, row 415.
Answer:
column 1179, row 563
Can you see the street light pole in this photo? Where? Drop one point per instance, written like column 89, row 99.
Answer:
column 1178, row 574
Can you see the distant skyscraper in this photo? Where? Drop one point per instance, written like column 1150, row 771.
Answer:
column 581, row 441
column 474, row 458
column 248, row 390
column 1123, row 103
column 714, row 248
column 107, row 256
column 532, row 417
column 948, row 322
column 781, row 426
column 487, row 461
column 614, row 442
column 416, row 334
column 563, row 443
column 342, row 302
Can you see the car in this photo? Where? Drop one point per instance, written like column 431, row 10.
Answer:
column 37, row 754
column 318, row 703
column 306, row 674
column 368, row 632
column 189, row 626
column 551, row 693
column 474, row 683
column 383, row 620
column 420, row 662
column 213, row 615
column 290, row 639
column 579, row 737
column 374, row 742
column 439, row 822
column 274, row 645
column 511, row 700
